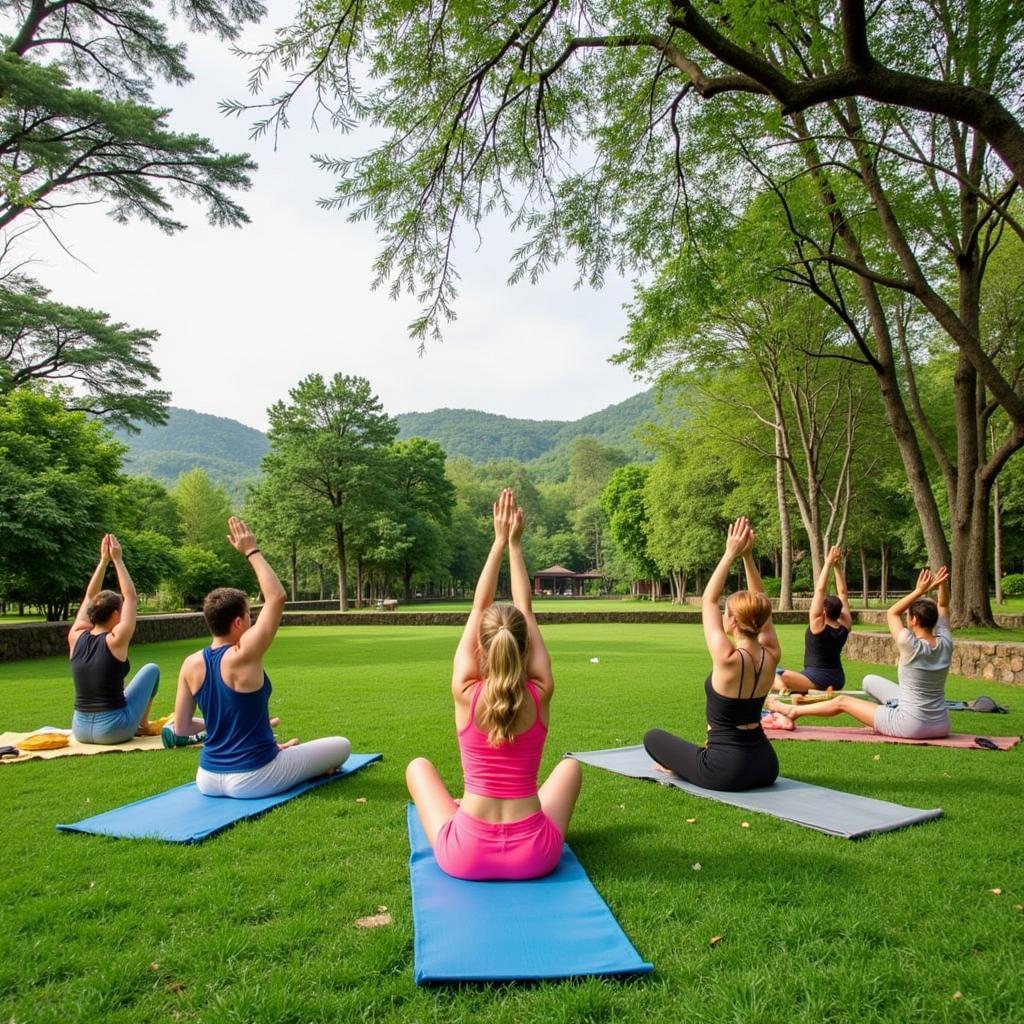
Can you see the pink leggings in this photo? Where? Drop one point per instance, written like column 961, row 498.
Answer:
column 469, row 848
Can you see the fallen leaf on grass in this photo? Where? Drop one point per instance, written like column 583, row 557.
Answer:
column 360, row 799
column 946, row 775
column 1018, row 906
column 374, row 921
column 715, row 940
column 877, row 757
column 744, row 824
column 696, row 867
column 958, row 995
column 154, row 967
column 622, row 807
column 691, row 821
column 175, row 986
column 996, row 892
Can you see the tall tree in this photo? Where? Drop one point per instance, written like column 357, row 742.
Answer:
column 330, row 441
column 685, row 497
column 77, row 127
column 425, row 498
column 59, row 473
column 75, row 76
column 106, row 367
column 479, row 108
column 623, row 502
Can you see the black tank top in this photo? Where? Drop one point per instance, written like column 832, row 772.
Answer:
column 822, row 650
column 99, row 677
column 729, row 712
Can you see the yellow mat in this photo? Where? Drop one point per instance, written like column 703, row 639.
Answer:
column 74, row 747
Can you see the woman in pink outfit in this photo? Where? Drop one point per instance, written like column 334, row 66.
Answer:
column 504, row 827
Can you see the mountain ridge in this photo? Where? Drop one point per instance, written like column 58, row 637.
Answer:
column 230, row 451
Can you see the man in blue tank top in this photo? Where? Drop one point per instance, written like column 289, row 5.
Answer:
column 241, row 757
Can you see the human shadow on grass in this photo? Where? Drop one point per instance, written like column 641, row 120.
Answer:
column 614, row 851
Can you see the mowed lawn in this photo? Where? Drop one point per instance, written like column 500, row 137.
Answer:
column 258, row 924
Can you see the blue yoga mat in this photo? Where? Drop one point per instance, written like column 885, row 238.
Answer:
column 552, row 927
column 184, row 815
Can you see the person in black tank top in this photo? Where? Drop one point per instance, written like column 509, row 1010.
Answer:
column 744, row 651
column 105, row 710
column 827, row 632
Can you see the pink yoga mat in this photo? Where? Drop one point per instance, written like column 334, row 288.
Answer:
column 868, row 735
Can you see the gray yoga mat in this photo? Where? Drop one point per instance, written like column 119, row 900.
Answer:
column 825, row 810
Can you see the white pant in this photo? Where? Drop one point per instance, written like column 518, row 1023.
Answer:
column 291, row 766
column 897, row 721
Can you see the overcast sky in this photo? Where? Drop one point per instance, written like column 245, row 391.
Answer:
column 245, row 313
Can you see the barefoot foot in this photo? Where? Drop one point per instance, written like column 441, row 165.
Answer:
column 775, row 720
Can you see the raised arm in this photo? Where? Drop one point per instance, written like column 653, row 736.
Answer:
column 121, row 635
column 894, row 615
column 816, row 613
column 767, row 638
column 466, row 665
column 257, row 640
column 941, row 581
column 538, row 661
column 95, row 585
column 842, row 592
column 719, row 646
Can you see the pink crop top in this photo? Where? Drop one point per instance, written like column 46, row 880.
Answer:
column 506, row 772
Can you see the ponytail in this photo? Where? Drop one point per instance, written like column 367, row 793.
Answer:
column 503, row 637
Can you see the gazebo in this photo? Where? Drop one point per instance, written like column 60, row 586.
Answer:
column 556, row 579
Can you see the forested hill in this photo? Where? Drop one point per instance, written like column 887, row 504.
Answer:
column 482, row 436
column 231, row 452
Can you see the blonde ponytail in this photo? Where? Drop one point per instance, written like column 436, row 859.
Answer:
column 503, row 636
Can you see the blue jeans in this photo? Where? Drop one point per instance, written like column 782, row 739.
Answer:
column 119, row 726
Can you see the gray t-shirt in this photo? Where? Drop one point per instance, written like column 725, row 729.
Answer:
column 922, row 673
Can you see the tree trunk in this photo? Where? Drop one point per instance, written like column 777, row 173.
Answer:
column 997, row 540
column 885, row 574
column 323, row 581
column 864, row 576
column 786, row 571
column 359, row 582
column 407, row 581
column 883, row 363
column 339, row 539
column 295, row 571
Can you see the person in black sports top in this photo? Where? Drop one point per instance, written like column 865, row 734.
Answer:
column 744, row 652
column 829, row 627
column 106, row 711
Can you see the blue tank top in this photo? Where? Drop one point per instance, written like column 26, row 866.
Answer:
column 238, row 733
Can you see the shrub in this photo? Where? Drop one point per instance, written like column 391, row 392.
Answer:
column 772, row 585
column 1013, row 585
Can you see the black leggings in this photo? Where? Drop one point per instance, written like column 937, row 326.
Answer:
column 733, row 760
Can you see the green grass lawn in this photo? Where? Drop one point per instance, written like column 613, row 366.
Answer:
column 257, row 924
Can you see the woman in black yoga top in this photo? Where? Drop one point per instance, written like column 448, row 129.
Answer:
column 828, row 628
column 737, row 754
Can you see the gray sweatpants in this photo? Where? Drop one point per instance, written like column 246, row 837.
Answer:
column 291, row 766
column 901, row 721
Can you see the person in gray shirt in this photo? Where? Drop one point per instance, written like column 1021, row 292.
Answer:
column 916, row 708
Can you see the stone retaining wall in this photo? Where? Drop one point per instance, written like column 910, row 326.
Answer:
column 973, row 659
column 45, row 639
